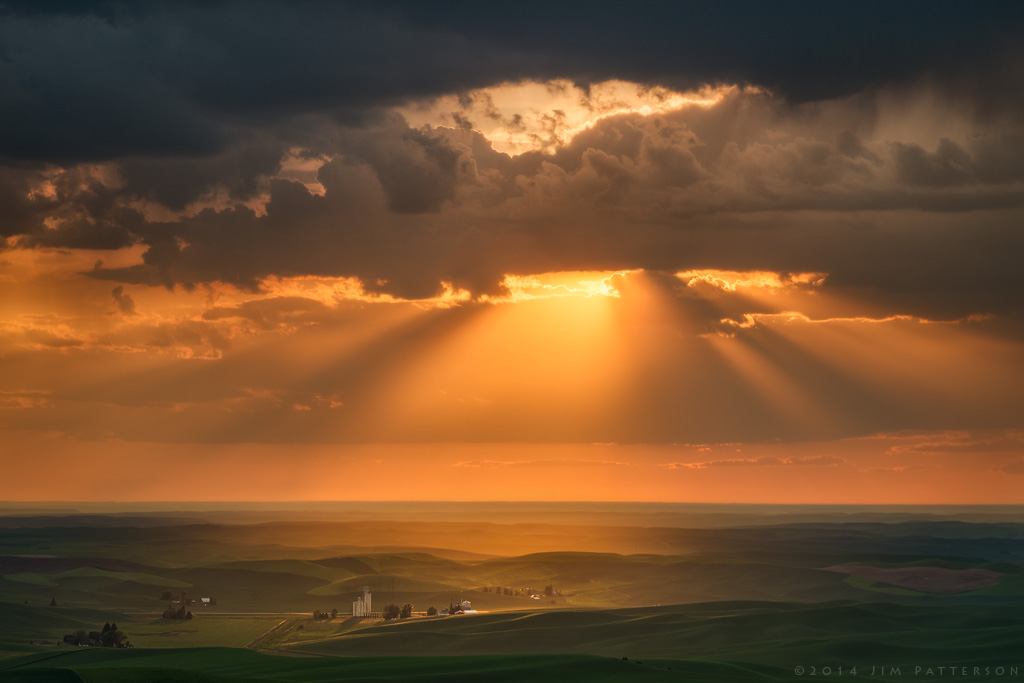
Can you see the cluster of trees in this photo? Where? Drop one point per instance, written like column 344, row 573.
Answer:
column 393, row 611
column 180, row 613
column 317, row 614
column 109, row 636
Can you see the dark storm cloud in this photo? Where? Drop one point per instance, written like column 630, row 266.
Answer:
column 22, row 212
column 417, row 172
column 89, row 81
column 991, row 160
column 68, row 208
column 187, row 100
column 795, row 190
column 167, row 79
column 176, row 182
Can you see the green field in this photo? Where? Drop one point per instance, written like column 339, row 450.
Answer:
column 712, row 604
column 737, row 641
column 212, row 665
column 753, row 632
column 208, row 631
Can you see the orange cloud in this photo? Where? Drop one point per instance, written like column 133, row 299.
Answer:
column 492, row 464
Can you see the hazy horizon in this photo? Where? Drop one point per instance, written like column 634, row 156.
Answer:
column 592, row 513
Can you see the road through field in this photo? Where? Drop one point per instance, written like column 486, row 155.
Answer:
column 251, row 645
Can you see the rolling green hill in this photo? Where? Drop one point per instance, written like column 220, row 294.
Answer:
column 776, row 634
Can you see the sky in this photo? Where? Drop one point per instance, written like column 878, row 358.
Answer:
column 695, row 252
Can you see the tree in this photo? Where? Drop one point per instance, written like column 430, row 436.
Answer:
column 431, row 611
column 167, row 595
column 549, row 590
column 406, row 611
column 109, row 636
column 392, row 611
column 53, row 602
column 171, row 613
column 334, row 613
column 113, row 638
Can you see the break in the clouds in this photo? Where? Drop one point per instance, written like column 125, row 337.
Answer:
column 411, row 147
column 455, row 222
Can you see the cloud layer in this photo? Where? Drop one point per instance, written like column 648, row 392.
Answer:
column 237, row 145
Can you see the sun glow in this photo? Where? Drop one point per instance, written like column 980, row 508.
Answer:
column 571, row 283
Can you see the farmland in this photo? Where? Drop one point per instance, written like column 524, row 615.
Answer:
column 724, row 603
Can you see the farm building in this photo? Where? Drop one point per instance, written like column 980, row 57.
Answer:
column 361, row 607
